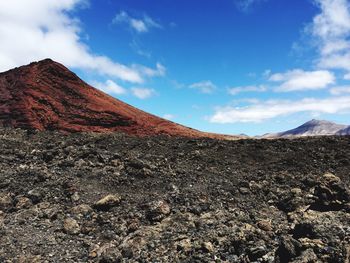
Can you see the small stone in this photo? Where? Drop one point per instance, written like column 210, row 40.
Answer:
column 329, row 177
column 264, row 225
column 71, row 226
column 312, row 243
column 157, row 210
column 184, row 245
column 111, row 255
column 244, row 190
column 107, row 202
column 75, row 197
column 207, row 247
column 296, row 191
column 82, row 209
column 35, row 196
column 23, row 203
column 6, row 202
column 133, row 225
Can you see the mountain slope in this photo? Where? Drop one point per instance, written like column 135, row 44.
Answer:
column 311, row 128
column 345, row 131
column 45, row 95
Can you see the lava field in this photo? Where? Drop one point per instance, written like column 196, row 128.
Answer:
column 89, row 197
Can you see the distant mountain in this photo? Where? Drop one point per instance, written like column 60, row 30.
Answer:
column 313, row 128
column 45, row 95
column 345, row 131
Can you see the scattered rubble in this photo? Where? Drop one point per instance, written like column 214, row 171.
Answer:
column 115, row 198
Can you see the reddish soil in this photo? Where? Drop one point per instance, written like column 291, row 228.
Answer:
column 45, row 95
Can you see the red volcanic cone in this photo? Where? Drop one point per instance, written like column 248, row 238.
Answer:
column 46, row 95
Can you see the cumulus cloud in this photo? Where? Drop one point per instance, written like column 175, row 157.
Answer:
column 331, row 29
column 140, row 25
column 296, row 80
column 206, row 87
column 36, row 29
column 143, row 93
column 261, row 111
column 110, row 87
column 237, row 90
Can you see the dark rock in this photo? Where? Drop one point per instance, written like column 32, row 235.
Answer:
column 35, row 195
column 304, row 229
column 331, row 194
column 288, row 249
column 199, row 214
column 157, row 210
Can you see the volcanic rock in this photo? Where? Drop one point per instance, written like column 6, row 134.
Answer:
column 71, row 226
column 107, row 202
column 157, row 210
column 188, row 209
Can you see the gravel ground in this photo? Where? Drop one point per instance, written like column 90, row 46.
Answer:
column 116, row 198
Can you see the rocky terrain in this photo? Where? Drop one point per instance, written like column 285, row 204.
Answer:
column 46, row 95
column 312, row 128
column 118, row 198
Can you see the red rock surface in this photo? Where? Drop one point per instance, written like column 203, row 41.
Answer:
column 45, row 95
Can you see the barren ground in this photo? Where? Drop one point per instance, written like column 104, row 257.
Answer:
column 172, row 199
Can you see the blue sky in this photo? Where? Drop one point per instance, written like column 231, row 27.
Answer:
column 228, row 66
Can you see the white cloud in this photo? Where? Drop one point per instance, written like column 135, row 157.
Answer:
column 262, row 111
column 237, row 90
column 160, row 70
column 110, row 87
column 331, row 29
column 32, row 30
column 143, row 93
column 298, row 79
column 140, row 25
column 206, row 87
column 340, row 90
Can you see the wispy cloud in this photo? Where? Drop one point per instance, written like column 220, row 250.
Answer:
column 50, row 30
column 205, row 87
column 262, row 111
column 109, row 87
column 139, row 25
column 247, row 5
column 143, row 93
column 160, row 70
column 340, row 90
column 298, row 80
column 237, row 90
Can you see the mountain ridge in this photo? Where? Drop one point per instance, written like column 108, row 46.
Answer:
column 45, row 95
column 313, row 127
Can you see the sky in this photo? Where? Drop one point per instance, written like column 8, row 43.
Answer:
column 226, row 66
